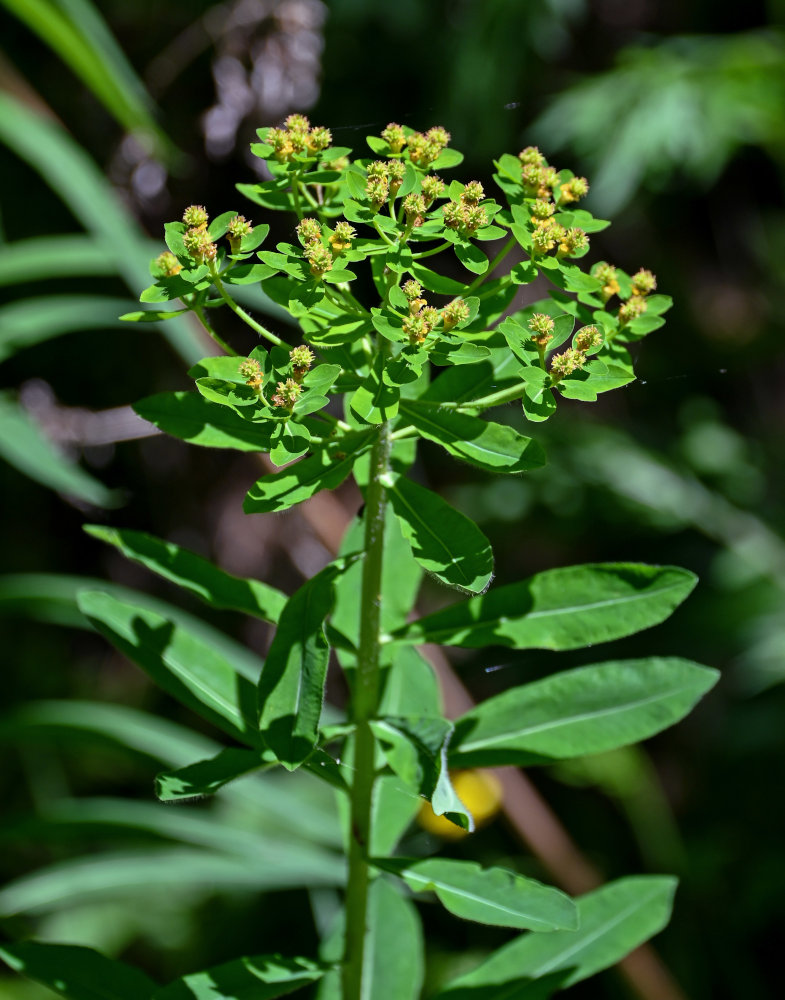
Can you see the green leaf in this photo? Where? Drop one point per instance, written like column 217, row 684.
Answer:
column 23, row 445
column 151, row 315
column 394, row 949
column 77, row 973
column 214, row 586
column 578, row 712
column 567, row 608
column 325, row 470
column 219, row 225
column 184, row 666
column 444, row 542
column 227, row 393
column 462, row 353
column 291, row 440
column 490, row 446
column 494, row 896
column 411, row 687
column 446, row 159
column 416, row 749
column 375, row 401
column 472, row 257
column 436, row 282
column 261, row 978
column 205, row 777
column 613, row 921
column 291, row 688
column 190, row 417
column 538, row 403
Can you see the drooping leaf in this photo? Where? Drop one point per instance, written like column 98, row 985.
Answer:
column 613, row 921
column 214, row 586
column 445, row 542
column 184, row 666
column 490, row 446
column 205, row 777
column 324, row 470
column 486, row 895
column 577, row 712
column 190, row 417
column 77, row 973
column 291, row 688
column 261, row 978
column 566, row 608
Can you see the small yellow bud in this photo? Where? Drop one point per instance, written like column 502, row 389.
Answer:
column 566, row 363
column 472, row 193
column 302, row 358
column 587, row 338
column 195, row 216
column 394, row 136
column 643, row 282
column 454, row 312
column 287, row 393
column 319, row 258
column 341, row 237
column 166, row 265
column 308, row 230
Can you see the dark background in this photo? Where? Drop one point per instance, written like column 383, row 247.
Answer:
column 674, row 112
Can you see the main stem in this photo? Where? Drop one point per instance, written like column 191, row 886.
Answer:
column 365, row 701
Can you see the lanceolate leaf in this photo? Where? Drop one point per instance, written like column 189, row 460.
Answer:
column 77, row 973
column 613, row 921
column 324, row 470
column 260, row 978
column 578, row 712
column 184, row 666
column 444, row 541
column 564, row 608
column 486, row 895
column 194, row 573
column 493, row 447
column 291, row 688
column 190, row 417
column 205, row 777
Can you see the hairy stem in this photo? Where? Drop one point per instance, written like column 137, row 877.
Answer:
column 365, row 700
column 208, row 326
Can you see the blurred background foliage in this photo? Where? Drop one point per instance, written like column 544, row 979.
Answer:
column 113, row 119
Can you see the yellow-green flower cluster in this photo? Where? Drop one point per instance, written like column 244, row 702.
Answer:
column 467, row 213
column 298, row 137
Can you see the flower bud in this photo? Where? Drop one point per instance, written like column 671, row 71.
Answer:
column 166, row 265
column 430, row 316
column 319, row 138
column 287, row 393
column 532, row 156
column 542, row 211
column 251, row 371
column 395, row 172
column 414, row 209
column 566, row 363
column 319, row 258
column 308, row 230
column 432, row 188
column 532, row 178
column 643, row 282
column 453, row 215
column 298, row 123
column 281, row 142
column 377, row 189
column 541, row 327
column 377, row 169
column 195, row 216
column 341, row 237
column 454, row 312
column 631, row 309
column 587, row 338
column 412, row 289
column 606, row 273
column 416, row 328
column 474, row 217
column 574, row 241
column 543, row 240
column 574, row 189
column 302, row 358
column 198, row 245
column 238, row 227
column 438, row 136
column 394, row 136
column 472, row 193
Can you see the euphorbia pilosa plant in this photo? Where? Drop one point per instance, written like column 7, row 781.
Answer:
column 413, row 354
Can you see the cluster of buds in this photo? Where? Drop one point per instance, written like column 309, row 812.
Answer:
column 302, row 359
column 394, row 136
column 320, row 259
column 606, row 273
column 309, row 230
column 422, row 318
column 396, row 169
column 573, row 190
column 413, row 291
column 567, row 242
column 467, row 213
column 432, row 188
column 238, row 227
column 587, row 339
column 341, row 237
column 643, row 282
column 453, row 313
column 541, row 328
column 297, row 137
column 414, row 208
column 378, row 185
column 539, row 180
column 286, row 394
column 566, row 363
column 196, row 239
column 425, row 147
column 251, row 371
column 167, row 265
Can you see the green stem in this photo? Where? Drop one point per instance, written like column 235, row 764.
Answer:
column 365, row 700
column 429, row 253
column 206, row 324
column 494, row 399
column 239, row 311
column 296, row 196
column 383, row 235
column 492, row 266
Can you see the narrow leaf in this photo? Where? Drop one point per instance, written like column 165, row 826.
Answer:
column 214, row 586
column 291, row 688
column 577, row 712
column 444, row 542
column 77, row 973
column 260, row 978
column 190, row 417
column 566, row 608
column 486, row 895
column 205, row 777
column 613, row 921
column 184, row 666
